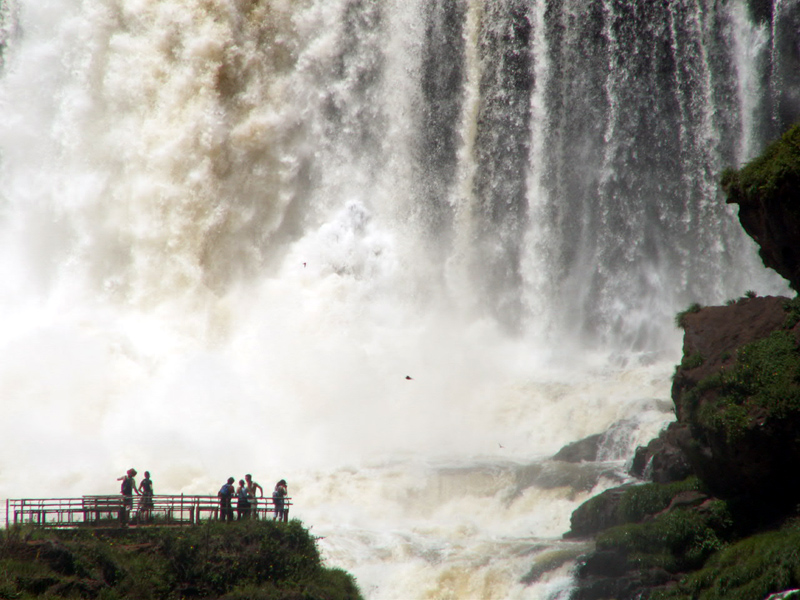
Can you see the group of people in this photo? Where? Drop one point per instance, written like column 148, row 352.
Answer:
column 247, row 494
column 144, row 489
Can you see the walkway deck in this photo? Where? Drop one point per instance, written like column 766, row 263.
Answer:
column 110, row 510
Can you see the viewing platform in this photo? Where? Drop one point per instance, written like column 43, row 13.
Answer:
column 112, row 511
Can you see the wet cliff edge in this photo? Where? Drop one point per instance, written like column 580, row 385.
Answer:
column 717, row 514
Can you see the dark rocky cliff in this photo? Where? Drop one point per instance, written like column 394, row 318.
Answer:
column 721, row 477
column 766, row 191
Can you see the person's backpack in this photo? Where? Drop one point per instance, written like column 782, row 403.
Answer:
column 127, row 487
column 226, row 490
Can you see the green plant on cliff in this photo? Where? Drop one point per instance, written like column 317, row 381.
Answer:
column 765, row 377
column 248, row 560
column 692, row 361
column 755, row 567
column 640, row 501
column 681, row 316
column 792, row 308
column 776, row 169
column 636, row 502
column 676, row 541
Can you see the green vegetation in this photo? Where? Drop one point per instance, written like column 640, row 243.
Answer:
column 249, row 560
column 775, row 171
column 679, row 318
column 636, row 503
column 765, row 376
column 792, row 308
column 692, row 361
column 751, row 568
column 750, row 405
column 675, row 541
column 641, row 501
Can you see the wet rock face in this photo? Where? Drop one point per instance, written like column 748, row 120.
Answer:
column 768, row 194
column 737, row 402
column 663, row 460
column 582, row 450
column 734, row 399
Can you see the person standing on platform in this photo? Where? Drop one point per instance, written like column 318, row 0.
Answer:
column 242, row 502
column 252, row 488
column 278, row 495
column 127, row 488
column 146, row 503
column 225, row 495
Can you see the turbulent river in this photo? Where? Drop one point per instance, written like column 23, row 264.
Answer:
column 397, row 252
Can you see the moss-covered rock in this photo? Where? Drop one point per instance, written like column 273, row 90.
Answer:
column 752, row 568
column 252, row 560
column 626, row 504
column 632, row 560
column 742, row 405
column 767, row 191
column 737, row 401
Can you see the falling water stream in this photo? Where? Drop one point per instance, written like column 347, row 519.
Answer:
column 396, row 252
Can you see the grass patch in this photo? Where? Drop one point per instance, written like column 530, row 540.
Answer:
column 767, row 176
column 755, row 567
column 692, row 361
column 258, row 560
column 765, row 376
column 675, row 541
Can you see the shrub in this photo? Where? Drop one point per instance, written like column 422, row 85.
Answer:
column 681, row 316
column 258, row 560
column 765, row 375
column 751, row 568
column 675, row 541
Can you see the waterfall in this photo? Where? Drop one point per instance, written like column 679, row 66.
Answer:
column 229, row 229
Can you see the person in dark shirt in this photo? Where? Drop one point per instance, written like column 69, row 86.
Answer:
column 127, row 488
column 278, row 495
column 146, row 503
column 254, row 491
column 242, row 501
column 225, row 495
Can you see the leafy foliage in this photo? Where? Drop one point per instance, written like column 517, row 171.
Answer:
column 766, row 376
column 679, row 318
column 692, row 361
column 751, row 568
column 675, row 541
column 256, row 560
column 641, row 501
column 792, row 308
column 775, row 170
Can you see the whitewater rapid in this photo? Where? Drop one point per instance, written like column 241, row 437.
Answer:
column 397, row 253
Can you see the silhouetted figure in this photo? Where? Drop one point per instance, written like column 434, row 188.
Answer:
column 225, row 495
column 127, row 488
column 254, row 492
column 242, row 501
column 281, row 489
column 146, row 503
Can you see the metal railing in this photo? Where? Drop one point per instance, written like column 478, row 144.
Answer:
column 113, row 510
